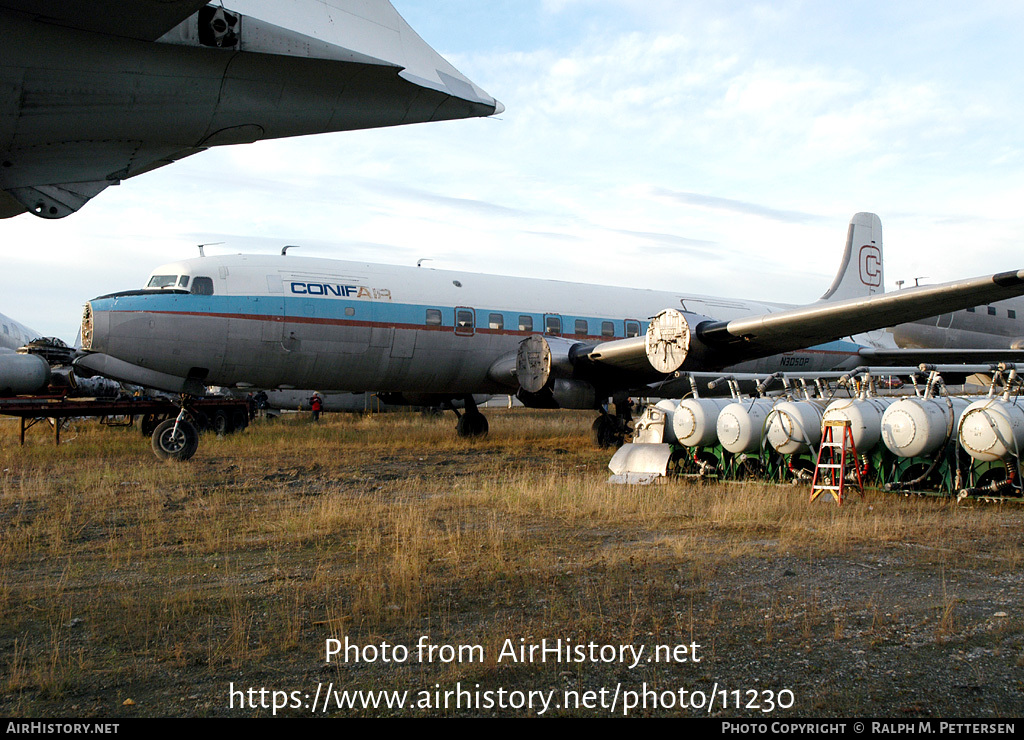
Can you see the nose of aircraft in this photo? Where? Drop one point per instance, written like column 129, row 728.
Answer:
column 87, row 327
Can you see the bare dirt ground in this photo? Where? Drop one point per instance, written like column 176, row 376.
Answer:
column 133, row 588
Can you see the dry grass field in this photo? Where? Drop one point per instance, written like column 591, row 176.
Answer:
column 130, row 587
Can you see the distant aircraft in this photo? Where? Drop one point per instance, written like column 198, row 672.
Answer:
column 19, row 373
column 995, row 326
column 291, row 322
column 97, row 92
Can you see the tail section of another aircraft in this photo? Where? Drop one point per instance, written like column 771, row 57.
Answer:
column 860, row 273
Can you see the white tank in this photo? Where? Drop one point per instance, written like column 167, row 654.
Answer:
column 992, row 429
column 668, row 408
column 865, row 417
column 795, row 426
column 695, row 422
column 741, row 425
column 912, row 427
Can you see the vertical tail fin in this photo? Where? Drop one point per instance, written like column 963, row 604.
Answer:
column 860, row 272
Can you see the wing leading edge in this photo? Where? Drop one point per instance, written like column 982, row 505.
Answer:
column 684, row 341
column 104, row 91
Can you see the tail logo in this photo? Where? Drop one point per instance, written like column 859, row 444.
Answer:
column 871, row 266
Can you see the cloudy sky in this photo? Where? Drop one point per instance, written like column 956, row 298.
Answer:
column 708, row 147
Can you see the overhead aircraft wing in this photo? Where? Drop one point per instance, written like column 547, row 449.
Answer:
column 146, row 20
column 97, row 92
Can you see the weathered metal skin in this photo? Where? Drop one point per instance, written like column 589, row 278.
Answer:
column 278, row 321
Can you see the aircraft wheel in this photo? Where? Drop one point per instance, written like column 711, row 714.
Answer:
column 168, row 445
column 605, row 432
column 472, row 425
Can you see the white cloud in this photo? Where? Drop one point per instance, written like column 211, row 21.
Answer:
column 637, row 138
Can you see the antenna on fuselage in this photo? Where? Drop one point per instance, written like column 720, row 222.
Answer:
column 284, row 250
column 208, row 244
column 419, row 262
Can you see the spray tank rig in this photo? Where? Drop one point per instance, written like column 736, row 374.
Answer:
column 991, row 432
column 720, row 437
column 905, row 443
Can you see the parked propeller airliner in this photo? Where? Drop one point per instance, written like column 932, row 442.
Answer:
column 996, row 326
column 291, row 322
column 97, row 92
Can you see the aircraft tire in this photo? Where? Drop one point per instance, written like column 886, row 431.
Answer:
column 170, row 446
column 605, row 432
column 472, row 425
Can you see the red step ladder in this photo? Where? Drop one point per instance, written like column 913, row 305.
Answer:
column 831, row 467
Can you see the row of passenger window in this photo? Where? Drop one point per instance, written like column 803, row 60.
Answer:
column 465, row 320
column 1010, row 313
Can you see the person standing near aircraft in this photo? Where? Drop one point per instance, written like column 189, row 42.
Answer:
column 316, row 405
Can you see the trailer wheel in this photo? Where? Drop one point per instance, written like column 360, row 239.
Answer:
column 222, row 423
column 171, row 445
column 149, row 423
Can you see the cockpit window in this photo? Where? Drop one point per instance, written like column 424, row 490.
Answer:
column 162, row 281
column 202, row 286
column 183, row 281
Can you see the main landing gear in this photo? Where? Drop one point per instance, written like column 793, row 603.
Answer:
column 609, row 430
column 471, row 422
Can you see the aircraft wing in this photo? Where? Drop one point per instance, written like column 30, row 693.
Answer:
column 677, row 341
column 806, row 326
column 146, row 20
column 101, row 91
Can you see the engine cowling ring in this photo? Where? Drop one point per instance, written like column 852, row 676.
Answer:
column 668, row 340
column 540, row 358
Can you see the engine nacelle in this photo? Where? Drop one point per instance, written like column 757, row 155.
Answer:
column 21, row 374
column 560, row 393
column 541, row 359
column 672, row 344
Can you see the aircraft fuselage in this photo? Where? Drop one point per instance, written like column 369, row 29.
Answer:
column 286, row 321
column 998, row 325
